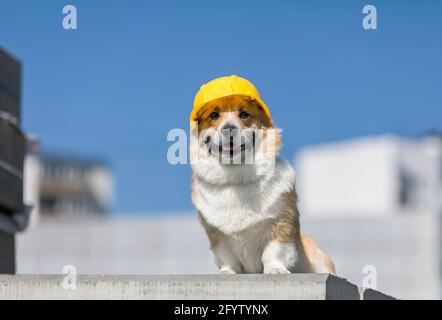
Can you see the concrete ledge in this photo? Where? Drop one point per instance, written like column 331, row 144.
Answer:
column 195, row 287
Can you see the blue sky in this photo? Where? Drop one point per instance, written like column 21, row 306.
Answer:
column 117, row 85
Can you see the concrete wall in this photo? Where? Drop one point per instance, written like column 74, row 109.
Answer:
column 405, row 251
column 132, row 245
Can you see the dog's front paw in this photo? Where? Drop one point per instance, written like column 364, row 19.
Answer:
column 226, row 270
column 276, row 270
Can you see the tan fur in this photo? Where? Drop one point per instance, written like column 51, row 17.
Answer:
column 314, row 254
column 212, row 233
column 286, row 228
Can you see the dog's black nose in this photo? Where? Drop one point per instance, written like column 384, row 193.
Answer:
column 229, row 130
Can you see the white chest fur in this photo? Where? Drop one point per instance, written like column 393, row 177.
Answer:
column 234, row 207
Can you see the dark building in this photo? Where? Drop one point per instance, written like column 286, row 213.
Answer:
column 12, row 150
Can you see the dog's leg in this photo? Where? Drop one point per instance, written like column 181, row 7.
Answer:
column 280, row 254
column 225, row 259
column 279, row 258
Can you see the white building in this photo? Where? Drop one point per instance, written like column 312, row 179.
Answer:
column 377, row 201
column 31, row 178
column 384, row 175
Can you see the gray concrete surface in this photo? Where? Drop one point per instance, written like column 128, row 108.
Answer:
column 163, row 287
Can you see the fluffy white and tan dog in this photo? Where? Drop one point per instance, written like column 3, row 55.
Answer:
column 243, row 192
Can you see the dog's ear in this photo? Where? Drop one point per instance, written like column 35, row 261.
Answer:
column 202, row 116
column 266, row 121
column 201, row 112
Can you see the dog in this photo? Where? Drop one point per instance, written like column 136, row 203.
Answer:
column 244, row 193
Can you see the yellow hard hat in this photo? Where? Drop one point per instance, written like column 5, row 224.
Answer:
column 224, row 87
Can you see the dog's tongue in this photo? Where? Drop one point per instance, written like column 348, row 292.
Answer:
column 229, row 148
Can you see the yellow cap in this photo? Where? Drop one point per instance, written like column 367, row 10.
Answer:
column 224, row 87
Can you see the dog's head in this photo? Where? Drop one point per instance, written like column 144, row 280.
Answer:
column 234, row 130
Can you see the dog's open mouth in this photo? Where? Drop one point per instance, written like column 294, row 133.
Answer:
column 231, row 148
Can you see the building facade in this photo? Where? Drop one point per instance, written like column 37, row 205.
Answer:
column 383, row 175
column 71, row 185
column 374, row 203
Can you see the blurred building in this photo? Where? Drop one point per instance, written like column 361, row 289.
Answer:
column 31, row 177
column 376, row 201
column 71, row 185
column 384, row 175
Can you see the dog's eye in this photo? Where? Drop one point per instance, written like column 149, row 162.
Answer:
column 243, row 115
column 214, row 115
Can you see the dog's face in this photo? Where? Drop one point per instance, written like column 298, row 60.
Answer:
column 231, row 130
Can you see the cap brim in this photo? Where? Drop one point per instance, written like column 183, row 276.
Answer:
column 194, row 112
